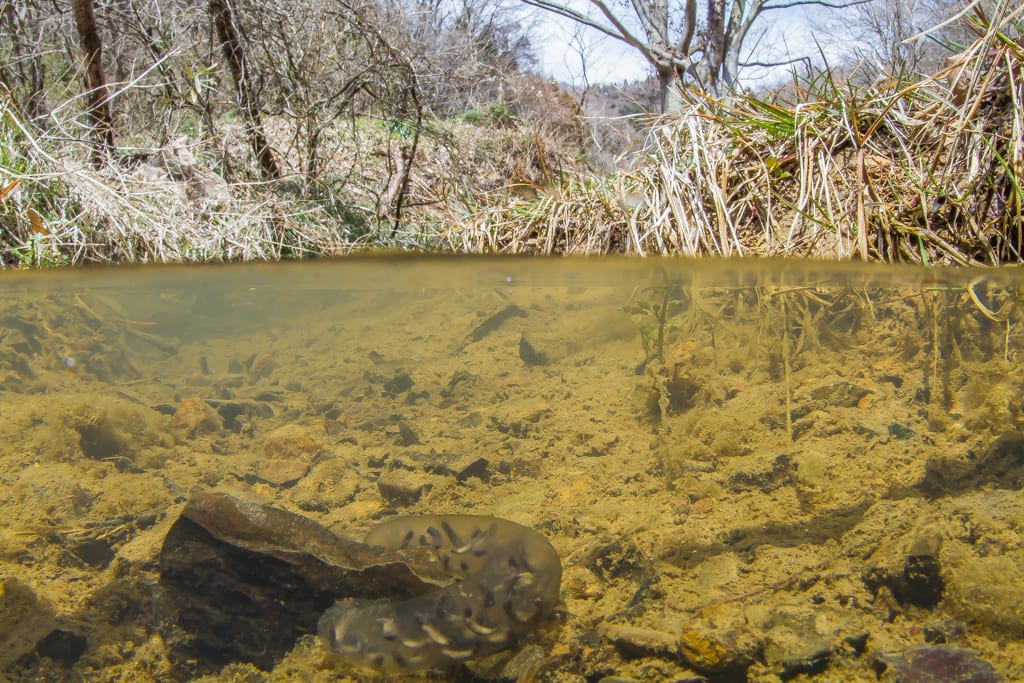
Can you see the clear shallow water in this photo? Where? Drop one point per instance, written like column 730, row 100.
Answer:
column 751, row 471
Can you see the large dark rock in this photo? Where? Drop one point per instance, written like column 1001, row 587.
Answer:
column 914, row 576
column 937, row 665
column 62, row 646
column 1001, row 465
column 242, row 581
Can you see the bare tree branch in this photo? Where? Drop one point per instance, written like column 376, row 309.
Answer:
column 672, row 42
column 768, row 65
column 577, row 16
column 647, row 21
column 689, row 26
column 227, row 34
column 818, row 3
column 617, row 31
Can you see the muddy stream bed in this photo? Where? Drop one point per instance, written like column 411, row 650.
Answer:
column 756, row 474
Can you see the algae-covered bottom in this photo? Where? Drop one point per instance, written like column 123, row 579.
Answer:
column 759, row 471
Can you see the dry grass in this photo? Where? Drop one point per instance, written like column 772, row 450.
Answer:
column 924, row 172
column 58, row 211
column 577, row 216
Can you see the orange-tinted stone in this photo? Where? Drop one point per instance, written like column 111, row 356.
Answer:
column 291, row 441
column 195, row 416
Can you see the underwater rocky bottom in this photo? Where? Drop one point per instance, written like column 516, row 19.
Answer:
column 760, row 476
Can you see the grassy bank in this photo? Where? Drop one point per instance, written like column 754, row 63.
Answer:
column 927, row 171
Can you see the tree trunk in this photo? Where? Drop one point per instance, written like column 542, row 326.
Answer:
column 224, row 23
column 25, row 69
column 667, row 80
column 715, row 51
column 98, row 106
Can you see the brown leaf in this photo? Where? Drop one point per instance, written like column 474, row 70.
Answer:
column 6, row 189
column 37, row 221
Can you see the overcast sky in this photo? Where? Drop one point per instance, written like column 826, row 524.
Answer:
column 790, row 34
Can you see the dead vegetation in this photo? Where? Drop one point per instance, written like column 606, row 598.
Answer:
column 925, row 172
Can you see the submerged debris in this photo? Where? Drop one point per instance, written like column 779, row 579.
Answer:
column 530, row 355
column 493, row 322
column 940, row 664
column 1001, row 465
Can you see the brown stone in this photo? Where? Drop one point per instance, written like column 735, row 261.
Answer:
column 195, row 416
column 261, row 365
column 281, row 471
column 402, row 488
column 291, row 441
column 718, row 649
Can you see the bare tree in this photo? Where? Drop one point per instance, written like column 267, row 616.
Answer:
column 23, row 72
column 464, row 51
column 97, row 99
column 671, row 37
column 324, row 71
column 902, row 37
column 227, row 35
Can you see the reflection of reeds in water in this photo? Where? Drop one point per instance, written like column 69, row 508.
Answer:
column 787, row 321
column 961, row 338
column 968, row 334
column 675, row 322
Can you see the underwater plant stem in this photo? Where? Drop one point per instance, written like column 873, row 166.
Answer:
column 662, row 317
column 935, row 345
column 786, row 363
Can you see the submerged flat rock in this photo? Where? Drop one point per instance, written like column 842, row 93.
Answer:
column 243, row 581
